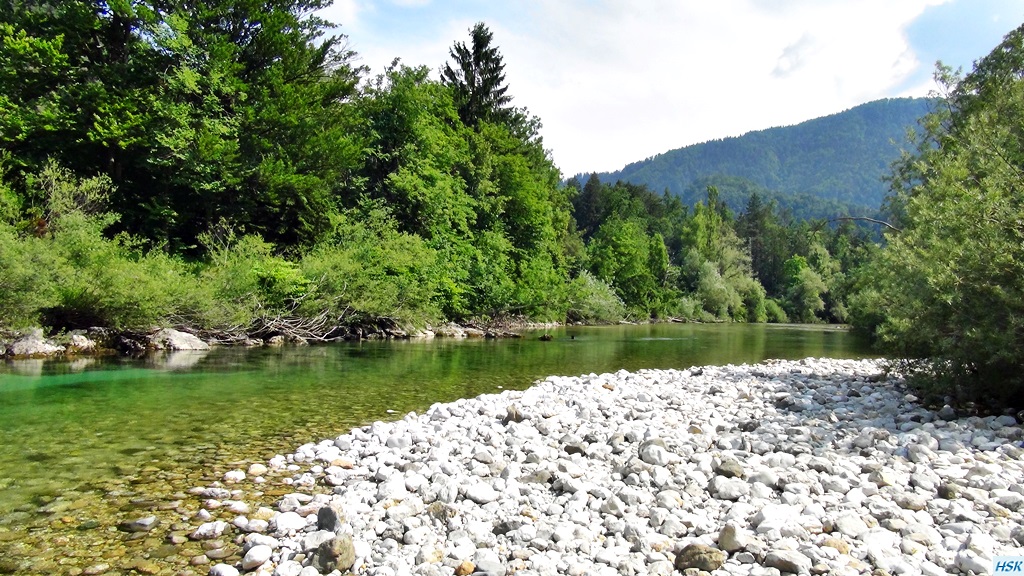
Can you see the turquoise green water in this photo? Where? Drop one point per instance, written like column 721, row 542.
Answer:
column 73, row 426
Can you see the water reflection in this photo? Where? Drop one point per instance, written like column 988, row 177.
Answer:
column 176, row 360
column 27, row 367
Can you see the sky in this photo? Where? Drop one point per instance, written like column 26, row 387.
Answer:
column 618, row 81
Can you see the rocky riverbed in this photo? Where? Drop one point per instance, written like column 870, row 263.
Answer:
column 809, row 467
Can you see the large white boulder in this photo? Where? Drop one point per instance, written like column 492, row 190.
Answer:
column 168, row 339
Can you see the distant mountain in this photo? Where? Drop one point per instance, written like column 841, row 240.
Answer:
column 820, row 167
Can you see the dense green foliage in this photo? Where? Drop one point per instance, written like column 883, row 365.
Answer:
column 735, row 191
column 223, row 166
column 666, row 260
column 818, row 169
column 196, row 111
column 948, row 289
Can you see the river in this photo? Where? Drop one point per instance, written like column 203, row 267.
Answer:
column 89, row 443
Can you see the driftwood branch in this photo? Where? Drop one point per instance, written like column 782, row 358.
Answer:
column 866, row 219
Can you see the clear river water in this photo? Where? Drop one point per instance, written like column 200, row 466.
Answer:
column 89, row 443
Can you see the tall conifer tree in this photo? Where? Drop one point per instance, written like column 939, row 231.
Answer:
column 477, row 74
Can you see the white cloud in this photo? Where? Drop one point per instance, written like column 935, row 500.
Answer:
column 795, row 56
column 641, row 82
column 615, row 81
column 343, row 12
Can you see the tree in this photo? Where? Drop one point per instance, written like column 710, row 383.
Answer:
column 77, row 83
column 485, row 197
column 478, row 79
column 804, row 290
column 283, row 87
column 197, row 111
column 766, row 238
column 948, row 290
column 587, row 207
column 705, row 229
column 415, row 154
column 620, row 254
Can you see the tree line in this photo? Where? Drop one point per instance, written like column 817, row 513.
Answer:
column 225, row 166
column 665, row 259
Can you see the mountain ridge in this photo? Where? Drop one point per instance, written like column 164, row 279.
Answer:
column 814, row 168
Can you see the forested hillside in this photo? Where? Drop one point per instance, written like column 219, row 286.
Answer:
column 821, row 167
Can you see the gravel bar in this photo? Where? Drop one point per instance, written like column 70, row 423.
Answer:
column 815, row 466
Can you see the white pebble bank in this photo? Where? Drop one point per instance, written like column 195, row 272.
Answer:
column 811, row 467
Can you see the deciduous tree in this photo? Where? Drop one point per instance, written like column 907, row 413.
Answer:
column 949, row 288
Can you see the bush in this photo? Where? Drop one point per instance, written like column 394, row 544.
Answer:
column 542, row 290
column 10, row 205
column 753, row 295
column 371, row 271
column 60, row 193
column 774, row 312
column 28, row 269
column 242, row 282
column 68, row 274
column 715, row 294
column 689, row 308
column 592, row 300
column 111, row 283
column 803, row 292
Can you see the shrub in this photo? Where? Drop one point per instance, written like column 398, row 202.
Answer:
column 688, row 308
column 714, row 293
column 593, row 300
column 774, row 312
column 111, row 283
column 28, row 268
column 68, row 274
column 371, row 271
column 242, row 283
column 10, row 205
column 542, row 290
column 803, row 291
column 753, row 295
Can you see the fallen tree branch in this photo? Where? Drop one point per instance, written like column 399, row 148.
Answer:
column 866, row 219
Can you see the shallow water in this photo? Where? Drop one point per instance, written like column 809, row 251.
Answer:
column 86, row 444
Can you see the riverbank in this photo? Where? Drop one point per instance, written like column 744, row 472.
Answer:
column 816, row 466
column 34, row 343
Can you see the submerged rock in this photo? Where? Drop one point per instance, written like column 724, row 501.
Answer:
column 141, row 525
